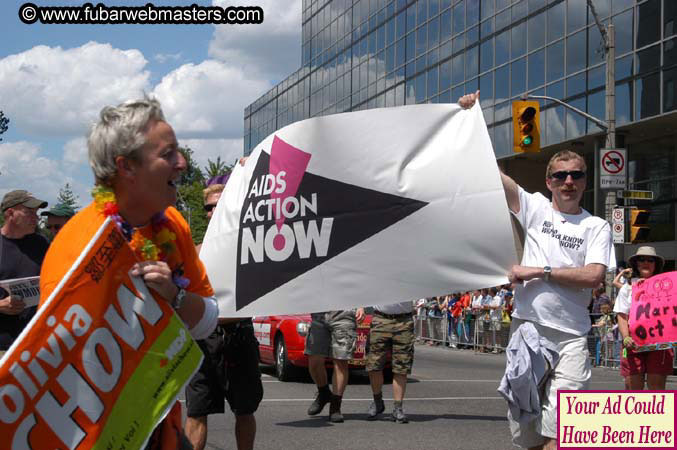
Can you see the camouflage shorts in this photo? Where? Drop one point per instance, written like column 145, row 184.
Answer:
column 396, row 335
column 332, row 334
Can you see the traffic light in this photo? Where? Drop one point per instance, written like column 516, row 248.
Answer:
column 526, row 126
column 639, row 225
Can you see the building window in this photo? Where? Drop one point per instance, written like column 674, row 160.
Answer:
column 576, row 85
column 518, row 77
column 487, row 55
column 502, row 54
column 487, row 90
column 556, row 22
column 502, row 86
column 648, row 103
column 669, row 85
column 518, row 40
column 576, row 15
column 648, row 23
column 536, row 31
column 555, row 61
column 536, row 64
column 669, row 18
column 576, row 52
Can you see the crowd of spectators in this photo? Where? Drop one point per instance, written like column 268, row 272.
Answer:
column 481, row 319
column 484, row 313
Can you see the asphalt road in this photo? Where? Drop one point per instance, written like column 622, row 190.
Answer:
column 451, row 403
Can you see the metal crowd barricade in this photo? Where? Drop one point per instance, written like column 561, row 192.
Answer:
column 469, row 334
column 604, row 349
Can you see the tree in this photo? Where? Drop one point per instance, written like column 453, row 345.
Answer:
column 190, row 203
column 68, row 198
column 192, row 172
column 4, row 123
column 218, row 167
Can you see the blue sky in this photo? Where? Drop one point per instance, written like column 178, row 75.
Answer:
column 54, row 79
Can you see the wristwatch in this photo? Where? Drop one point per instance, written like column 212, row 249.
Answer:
column 547, row 270
column 178, row 300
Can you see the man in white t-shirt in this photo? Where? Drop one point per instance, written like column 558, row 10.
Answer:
column 566, row 254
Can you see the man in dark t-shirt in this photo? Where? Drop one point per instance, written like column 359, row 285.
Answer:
column 21, row 253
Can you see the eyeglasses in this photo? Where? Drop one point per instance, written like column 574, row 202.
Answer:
column 647, row 259
column 208, row 208
column 54, row 227
column 563, row 174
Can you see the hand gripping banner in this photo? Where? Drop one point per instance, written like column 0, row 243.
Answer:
column 100, row 364
column 363, row 208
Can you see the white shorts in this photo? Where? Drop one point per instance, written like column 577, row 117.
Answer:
column 572, row 372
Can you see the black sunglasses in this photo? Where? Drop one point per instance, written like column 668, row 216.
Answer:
column 646, row 259
column 209, row 207
column 53, row 227
column 563, row 174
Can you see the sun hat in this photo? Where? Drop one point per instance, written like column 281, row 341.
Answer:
column 647, row 250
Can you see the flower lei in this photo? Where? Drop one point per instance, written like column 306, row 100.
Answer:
column 161, row 247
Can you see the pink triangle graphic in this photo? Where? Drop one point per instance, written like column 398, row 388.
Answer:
column 294, row 162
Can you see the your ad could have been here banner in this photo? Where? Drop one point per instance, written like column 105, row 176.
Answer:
column 363, row 208
column 100, row 364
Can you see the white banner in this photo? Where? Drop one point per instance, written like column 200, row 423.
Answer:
column 362, row 208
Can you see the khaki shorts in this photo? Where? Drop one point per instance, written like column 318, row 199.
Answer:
column 572, row 372
column 332, row 334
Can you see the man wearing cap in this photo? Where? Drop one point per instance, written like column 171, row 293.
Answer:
column 21, row 253
column 566, row 254
column 57, row 217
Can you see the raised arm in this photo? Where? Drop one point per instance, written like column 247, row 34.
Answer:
column 509, row 186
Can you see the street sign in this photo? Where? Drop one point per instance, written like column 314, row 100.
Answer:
column 635, row 195
column 618, row 232
column 618, row 215
column 613, row 168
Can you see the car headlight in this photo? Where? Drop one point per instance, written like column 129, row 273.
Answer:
column 302, row 328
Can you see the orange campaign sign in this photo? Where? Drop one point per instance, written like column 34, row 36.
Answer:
column 100, row 364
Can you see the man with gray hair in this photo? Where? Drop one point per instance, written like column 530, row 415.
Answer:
column 21, row 253
column 136, row 162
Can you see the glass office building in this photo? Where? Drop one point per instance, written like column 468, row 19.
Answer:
column 361, row 54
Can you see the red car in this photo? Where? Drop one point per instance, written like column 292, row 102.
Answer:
column 282, row 340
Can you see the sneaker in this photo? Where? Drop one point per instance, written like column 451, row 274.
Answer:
column 317, row 406
column 399, row 416
column 335, row 415
column 375, row 409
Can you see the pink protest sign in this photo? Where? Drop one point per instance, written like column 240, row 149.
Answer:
column 653, row 314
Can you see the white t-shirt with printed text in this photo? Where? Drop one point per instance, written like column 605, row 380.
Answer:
column 559, row 240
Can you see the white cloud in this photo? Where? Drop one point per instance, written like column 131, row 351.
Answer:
column 58, row 92
column 165, row 57
column 75, row 151
column 271, row 49
column 229, row 150
column 208, row 100
column 22, row 166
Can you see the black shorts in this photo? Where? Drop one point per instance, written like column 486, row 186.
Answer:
column 230, row 370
